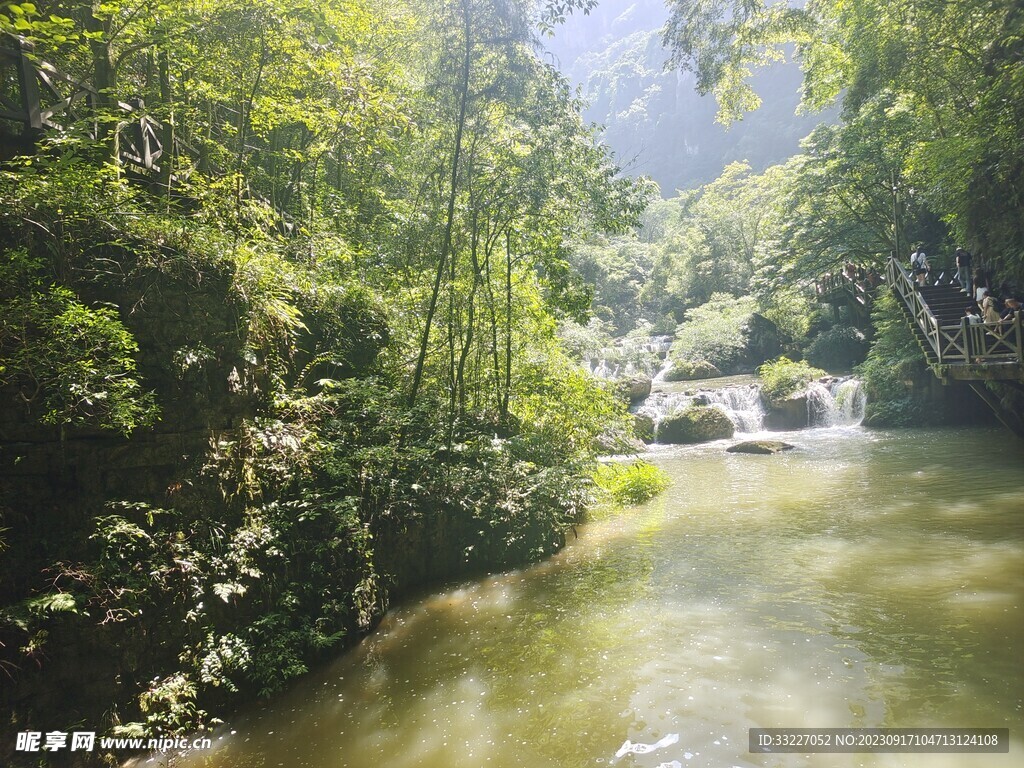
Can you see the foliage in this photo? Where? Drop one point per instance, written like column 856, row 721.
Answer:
column 345, row 269
column 632, row 483
column 934, row 82
column 893, row 363
column 71, row 364
column 714, row 332
column 782, row 377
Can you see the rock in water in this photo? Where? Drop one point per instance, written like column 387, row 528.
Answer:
column 696, row 424
column 643, row 427
column 759, row 446
column 636, row 389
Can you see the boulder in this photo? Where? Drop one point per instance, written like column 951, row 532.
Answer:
column 788, row 413
column 637, row 389
column 643, row 427
column 696, row 424
column 759, row 447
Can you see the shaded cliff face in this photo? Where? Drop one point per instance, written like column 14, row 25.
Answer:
column 653, row 119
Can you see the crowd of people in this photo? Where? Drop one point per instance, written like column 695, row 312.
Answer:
column 985, row 305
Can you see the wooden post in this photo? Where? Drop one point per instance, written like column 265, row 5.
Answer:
column 1017, row 332
column 968, row 338
column 29, row 87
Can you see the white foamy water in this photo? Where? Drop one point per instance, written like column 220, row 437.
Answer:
column 833, row 404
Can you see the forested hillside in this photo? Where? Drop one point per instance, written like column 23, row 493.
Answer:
column 926, row 151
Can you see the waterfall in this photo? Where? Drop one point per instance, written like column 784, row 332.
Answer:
column 741, row 404
column 830, row 403
column 639, row 356
column 836, row 404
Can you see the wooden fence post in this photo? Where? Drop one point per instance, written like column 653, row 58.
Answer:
column 29, row 87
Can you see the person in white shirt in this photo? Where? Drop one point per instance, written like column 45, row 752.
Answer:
column 919, row 264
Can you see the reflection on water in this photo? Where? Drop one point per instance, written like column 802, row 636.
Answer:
column 864, row 579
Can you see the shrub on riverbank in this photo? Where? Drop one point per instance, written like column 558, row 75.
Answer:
column 632, row 483
column 893, row 363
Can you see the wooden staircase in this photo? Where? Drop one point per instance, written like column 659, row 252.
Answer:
column 953, row 348
column 946, row 305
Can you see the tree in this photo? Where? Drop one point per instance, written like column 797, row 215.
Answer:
column 949, row 69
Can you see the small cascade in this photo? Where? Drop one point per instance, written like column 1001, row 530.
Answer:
column 836, row 404
column 660, row 375
column 741, row 404
column 830, row 403
column 629, row 357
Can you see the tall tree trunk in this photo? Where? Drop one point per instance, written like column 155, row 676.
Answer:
column 103, row 75
column 508, row 326
column 446, row 244
column 167, row 125
column 460, row 378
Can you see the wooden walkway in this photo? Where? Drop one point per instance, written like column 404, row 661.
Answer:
column 37, row 97
column 954, row 348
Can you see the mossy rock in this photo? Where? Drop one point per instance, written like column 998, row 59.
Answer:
column 759, row 447
column 787, row 413
column 636, row 389
column 691, row 370
column 643, row 427
column 697, row 424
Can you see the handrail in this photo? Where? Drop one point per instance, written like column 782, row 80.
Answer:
column 961, row 344
column 857, row 282
column 138, row 135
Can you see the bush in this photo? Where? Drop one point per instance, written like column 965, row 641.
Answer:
column 632, row 483
column 689, row 370
column 838, row 348
column 893, row 363
column 781, row 378
column 697, row 424
column 72, row 364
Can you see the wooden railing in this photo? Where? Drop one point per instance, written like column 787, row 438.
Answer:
column 46, row 98
column 856, row 283
column 959, row 344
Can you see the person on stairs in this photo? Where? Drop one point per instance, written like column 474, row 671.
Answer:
column 919, row 265
column 990, row 308
column 963, row 270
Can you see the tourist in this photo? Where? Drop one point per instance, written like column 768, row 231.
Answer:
column 919, row 264
column 970, row 312
column 1011, row 309
column 980, row 285
column 990, row 307
column 963, row 270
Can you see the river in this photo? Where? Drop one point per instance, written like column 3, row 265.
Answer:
column 867, row 578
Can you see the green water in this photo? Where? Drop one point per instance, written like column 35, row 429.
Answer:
column 864, row 579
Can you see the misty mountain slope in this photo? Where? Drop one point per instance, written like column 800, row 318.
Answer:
column 653, row 118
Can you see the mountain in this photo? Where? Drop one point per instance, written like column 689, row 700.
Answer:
column 653, row 118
